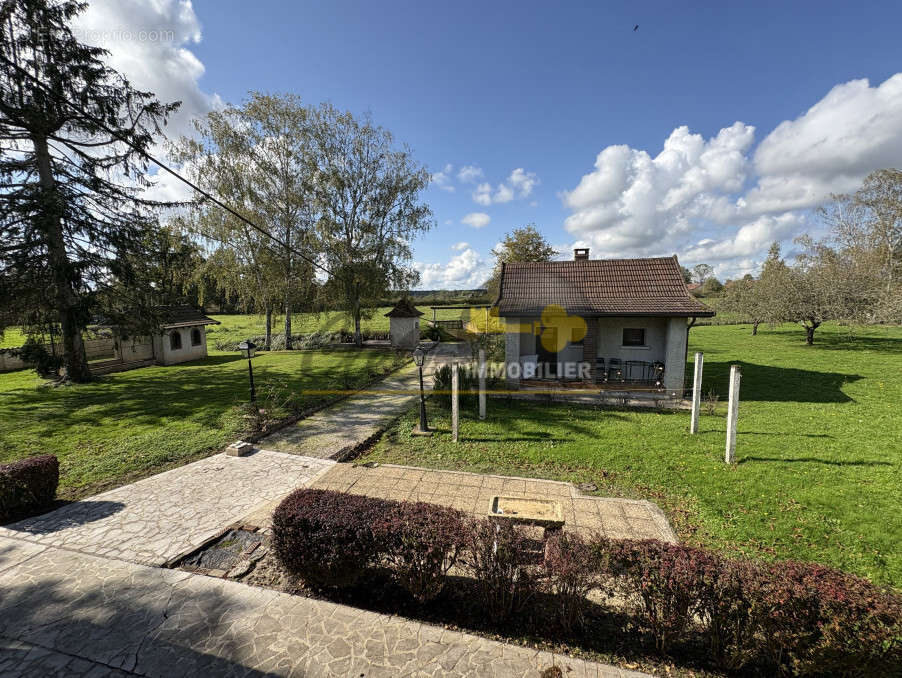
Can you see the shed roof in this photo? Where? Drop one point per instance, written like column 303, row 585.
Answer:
column 598, row 287
column 183, row 316
column 404, row 309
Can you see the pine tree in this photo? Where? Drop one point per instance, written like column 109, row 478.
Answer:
column 71, row 205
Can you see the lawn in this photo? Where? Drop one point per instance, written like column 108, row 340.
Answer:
column 238, row 327
column 819, row 449
column 235, row 327
column 135, row 423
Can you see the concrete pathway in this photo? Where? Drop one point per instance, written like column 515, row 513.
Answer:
column 338, row 430
column 158, row 519
column 72, row 614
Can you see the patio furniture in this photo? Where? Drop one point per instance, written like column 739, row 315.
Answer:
column 637, row 371
column 615, row 370
column 658, row 370
column 600, row 372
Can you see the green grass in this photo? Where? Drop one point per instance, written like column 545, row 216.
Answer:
column 238, row 327
column 135, row 423
column 819, row 449
column 12, row 338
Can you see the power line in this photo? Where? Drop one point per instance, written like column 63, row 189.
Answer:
column 163, row 166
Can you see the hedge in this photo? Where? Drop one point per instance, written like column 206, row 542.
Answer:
column 28, row 485
column 785, row 618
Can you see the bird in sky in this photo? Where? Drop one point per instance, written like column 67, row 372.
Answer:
column 635, row 28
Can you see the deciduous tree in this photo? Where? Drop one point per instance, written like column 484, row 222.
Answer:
column 521, row 244
column 367, row 198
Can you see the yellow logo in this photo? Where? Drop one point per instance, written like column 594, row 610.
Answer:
column 558, row 329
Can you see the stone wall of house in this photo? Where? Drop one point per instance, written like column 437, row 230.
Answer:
column 609, row 340
column 167, row 355
column 404, row 332
column 675, row 360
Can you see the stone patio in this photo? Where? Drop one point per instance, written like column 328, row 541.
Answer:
column 158, row 519
column 472, row 492
column 72, row 614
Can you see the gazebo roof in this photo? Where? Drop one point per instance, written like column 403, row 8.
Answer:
column 404, row 309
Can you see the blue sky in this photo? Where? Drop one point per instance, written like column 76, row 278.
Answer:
column 528, row 95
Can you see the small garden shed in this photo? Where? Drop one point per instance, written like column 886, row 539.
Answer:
column 404, row 325
column 182, row 336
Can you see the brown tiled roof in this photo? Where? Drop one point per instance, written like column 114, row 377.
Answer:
column 183, row 316
column 598, row 287
column 404, row 309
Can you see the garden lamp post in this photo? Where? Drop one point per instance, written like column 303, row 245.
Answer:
column 250, row 348
column 419, row 357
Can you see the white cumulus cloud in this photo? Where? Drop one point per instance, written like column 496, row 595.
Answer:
column 718, row 200
column 519, row 184
column 442, row 179
column 476, row 219
column 469, row 174
column 465, row 270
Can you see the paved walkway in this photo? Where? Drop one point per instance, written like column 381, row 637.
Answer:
column 73, row 614
column 158, row 519
column 336, row 431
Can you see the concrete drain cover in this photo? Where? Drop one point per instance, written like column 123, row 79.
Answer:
column 527, row 510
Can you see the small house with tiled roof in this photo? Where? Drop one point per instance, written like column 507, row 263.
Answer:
column 182, row 336
column 404, row 325
column 619, row 322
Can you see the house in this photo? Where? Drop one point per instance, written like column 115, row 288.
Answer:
column 404, row 325
column 609, row 321
column 182, row 336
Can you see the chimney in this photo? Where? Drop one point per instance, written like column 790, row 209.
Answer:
column 580, row 254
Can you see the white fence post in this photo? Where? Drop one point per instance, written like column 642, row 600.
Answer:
column 733, row 412
column 482, row 370
column 455, row 409
column 696, row 392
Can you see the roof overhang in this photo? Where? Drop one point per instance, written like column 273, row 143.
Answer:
column 189, row 323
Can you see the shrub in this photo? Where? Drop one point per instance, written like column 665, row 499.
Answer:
column 421, row 542
column 571, row 567
column 432, row 333
column 467, row 382
column 730, row 611
column 668, row 581
column 327, row 537
column 27, row 485
column 43, row 361
column 498, row 562
column 816, row 620
column 318, row 339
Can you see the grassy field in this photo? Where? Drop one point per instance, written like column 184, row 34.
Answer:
column 819, row 449
column 238, row 327
column 235, row 327
column 134, row 423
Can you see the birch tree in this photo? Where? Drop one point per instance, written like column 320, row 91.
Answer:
column 367, row 199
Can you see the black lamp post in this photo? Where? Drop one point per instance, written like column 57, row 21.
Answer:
column 419, row 357
column 250, row 348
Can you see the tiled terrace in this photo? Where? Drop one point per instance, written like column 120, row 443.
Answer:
column 472, row 492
